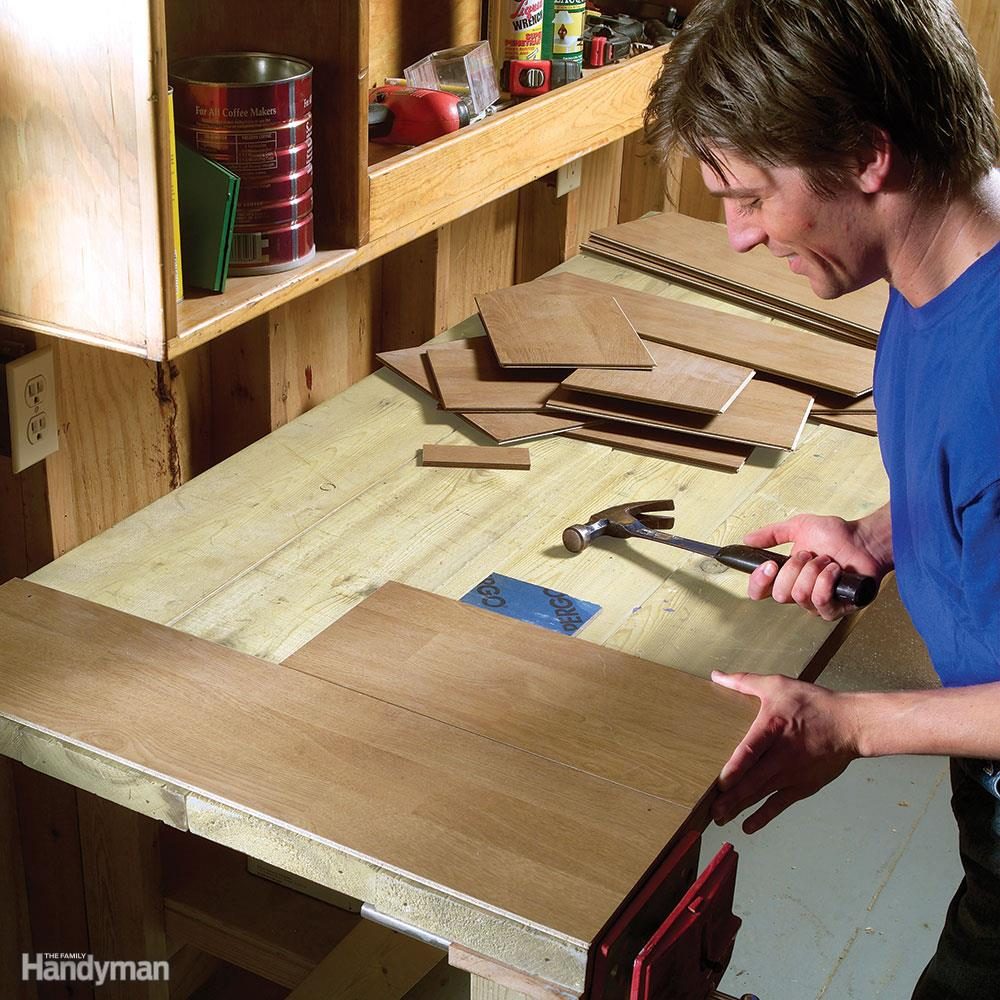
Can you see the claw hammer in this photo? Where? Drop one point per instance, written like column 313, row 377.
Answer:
column 641, row 520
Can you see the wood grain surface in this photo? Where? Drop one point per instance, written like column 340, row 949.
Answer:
column 767, row 347
column 497, row 825
column 666, row 444
column 614, row 716
column 764, row 413
column 681, row 379
column 471, row 381
column 531, row 326
column 470, row 456
column 702, row 249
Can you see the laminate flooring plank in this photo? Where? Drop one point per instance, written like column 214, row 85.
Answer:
column 503, row 828
column 784, row 311
column 505, row 428
column 672, row 445
column 511, row 428
column 763, row 414
column 636, row 723
column 767, row 347
column 471, row 381
column 703, row 247
column 863, row 423
column 681, row 379
column 411, row 363
column 470, row 456
column 530, row 327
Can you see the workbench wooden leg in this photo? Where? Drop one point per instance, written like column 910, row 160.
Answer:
column 50, row 847
column 121, row 868
column 15, row 925
column 371, row 962
column 486, row 989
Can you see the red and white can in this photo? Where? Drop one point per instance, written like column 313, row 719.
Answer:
column 267, row 249
column 251, row 112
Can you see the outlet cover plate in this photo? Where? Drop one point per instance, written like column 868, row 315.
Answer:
column 31, row 402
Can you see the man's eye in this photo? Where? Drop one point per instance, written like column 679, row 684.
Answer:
column 748, row 207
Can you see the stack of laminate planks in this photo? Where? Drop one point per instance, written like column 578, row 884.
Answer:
column 697, row 254
column 598, row 362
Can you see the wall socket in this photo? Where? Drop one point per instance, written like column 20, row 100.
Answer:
column 31, row 408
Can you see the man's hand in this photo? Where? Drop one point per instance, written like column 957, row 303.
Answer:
column 823, row 548
column 804, row 736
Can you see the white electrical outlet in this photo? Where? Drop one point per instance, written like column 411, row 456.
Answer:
column 31, row 400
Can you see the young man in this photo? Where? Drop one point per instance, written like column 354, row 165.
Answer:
column 857, row 140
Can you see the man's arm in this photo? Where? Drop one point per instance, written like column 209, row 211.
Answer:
column 804, row 736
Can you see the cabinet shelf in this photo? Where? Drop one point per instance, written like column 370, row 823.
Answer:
column 110, row 177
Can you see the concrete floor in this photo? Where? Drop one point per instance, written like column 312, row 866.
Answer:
column 843, row 896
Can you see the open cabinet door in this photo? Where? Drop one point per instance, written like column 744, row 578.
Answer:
column 80, row 252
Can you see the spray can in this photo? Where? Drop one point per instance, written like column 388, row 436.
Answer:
column 548, row 17
column 519, row 26
column 567, row 29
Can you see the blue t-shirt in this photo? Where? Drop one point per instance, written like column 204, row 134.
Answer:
column 937, row 395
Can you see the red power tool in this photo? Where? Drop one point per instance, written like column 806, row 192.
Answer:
column 409, row 116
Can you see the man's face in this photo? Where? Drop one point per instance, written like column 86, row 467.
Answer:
column 823, row 239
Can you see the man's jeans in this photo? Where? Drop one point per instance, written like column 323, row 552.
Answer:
column 966, row 965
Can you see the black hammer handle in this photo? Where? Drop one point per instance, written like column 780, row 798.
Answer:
column 851, row 587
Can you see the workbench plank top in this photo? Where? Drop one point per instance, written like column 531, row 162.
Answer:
column 554, row 847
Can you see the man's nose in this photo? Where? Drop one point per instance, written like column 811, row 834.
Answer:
column 744, row 231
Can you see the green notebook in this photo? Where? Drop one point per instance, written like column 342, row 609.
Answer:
column 207, row 192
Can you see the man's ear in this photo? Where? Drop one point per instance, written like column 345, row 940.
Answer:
column 875, row 161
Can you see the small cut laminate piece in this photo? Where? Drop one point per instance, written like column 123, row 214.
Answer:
column 469, row 456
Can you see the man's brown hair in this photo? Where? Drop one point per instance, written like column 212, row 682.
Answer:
column 802, row 83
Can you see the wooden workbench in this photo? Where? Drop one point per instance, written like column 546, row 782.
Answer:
column 264, row 551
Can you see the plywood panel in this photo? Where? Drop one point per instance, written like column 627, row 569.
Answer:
column 79, row 217
column 118, row 443
column 768, row 347
column 530, row 326
column 621, row 718
column 479, row 256
column 982, row 22
column 414, row 292
column 680, row 379
column 321, row 343
column 517, row 833
column 763, row 414
column 473, row 380
column 644, row 180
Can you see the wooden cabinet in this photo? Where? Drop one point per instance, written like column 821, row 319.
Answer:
column 84, row 176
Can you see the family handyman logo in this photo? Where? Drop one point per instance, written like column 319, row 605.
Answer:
column 61, row 967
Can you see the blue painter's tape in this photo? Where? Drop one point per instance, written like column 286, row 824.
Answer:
column 552, row 609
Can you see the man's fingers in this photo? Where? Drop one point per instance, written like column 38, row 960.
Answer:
column 752, row 748
column 784, row 582
column 805, row 583
column 761, row 579
column 776, row 804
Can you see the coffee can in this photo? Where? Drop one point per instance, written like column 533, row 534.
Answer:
column 252, row 113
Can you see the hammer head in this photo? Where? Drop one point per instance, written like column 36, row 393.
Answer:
column 616, row 521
